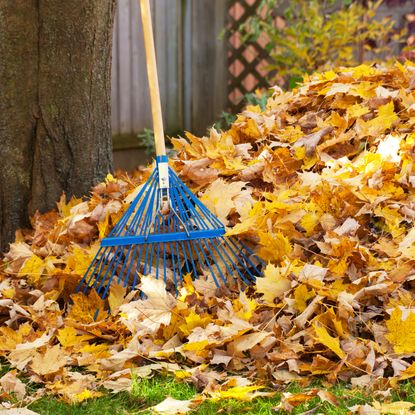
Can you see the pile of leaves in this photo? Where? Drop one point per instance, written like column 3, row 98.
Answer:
column 321, row 183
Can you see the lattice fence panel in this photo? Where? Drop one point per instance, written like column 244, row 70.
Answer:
column 247, row 62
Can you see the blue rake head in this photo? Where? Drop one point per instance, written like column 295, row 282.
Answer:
column 167, row 232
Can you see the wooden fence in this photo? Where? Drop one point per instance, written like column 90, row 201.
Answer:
column 192, row 66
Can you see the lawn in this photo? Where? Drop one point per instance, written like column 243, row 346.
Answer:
column 149, row 392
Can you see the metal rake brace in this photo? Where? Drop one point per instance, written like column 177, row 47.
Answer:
column 166, row 231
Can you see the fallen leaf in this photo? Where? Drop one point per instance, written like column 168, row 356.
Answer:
column 50, row 361
column 273, row 285
column 172, row 406
column 401, row 331
column 10, row 383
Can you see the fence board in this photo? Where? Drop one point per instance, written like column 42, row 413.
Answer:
column 186, row 79
column 124, row 65
column 173, row 93
column 140, row 96
column 209, row 63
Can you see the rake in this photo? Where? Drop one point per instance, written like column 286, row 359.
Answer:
column 166, row 231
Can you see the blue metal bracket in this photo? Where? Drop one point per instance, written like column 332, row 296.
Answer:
column 164, row 237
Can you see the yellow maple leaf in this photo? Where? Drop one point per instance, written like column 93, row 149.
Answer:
column 32, row 268
column 245, row 306
column 309, row 222
column 274, row 246
column 338, row 267
column 363, row 89
column 152, row 312
column 196, row 346
column 110, row 178
column 250, row 129
column 64, row 207
column 273, row 284
column 401, row 330
column 301, row 296
column 356, row 111
column 79, row 259
column 392, row 218
column 363, row 70
column 378, row 125
column 87, row 309
column 68, row 337
column 194, row 320
column 9, row 337
column 333, row 343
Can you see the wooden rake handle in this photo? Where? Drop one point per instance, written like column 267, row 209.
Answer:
column 153, row 78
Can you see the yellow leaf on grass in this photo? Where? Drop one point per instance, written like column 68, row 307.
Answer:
column 394, row 408
column 241, row 393
column 333, row 343
column 86, row 394
column 273, row 284
column 401, row 330
column 10, row 383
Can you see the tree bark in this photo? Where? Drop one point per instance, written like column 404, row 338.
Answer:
column 55, row 88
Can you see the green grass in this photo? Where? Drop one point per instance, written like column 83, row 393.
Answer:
column 149, row 392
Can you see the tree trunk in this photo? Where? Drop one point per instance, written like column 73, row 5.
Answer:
column 55, row 88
